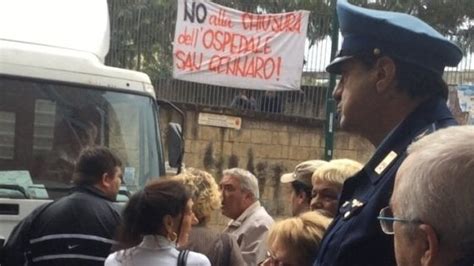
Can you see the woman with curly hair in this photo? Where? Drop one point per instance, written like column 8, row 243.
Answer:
column 220, row 248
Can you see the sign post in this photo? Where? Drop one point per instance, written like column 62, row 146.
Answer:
column 330, row 102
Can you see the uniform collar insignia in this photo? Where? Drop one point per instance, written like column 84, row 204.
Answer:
column 356, row 203
column 389, row 158
column 349, row 208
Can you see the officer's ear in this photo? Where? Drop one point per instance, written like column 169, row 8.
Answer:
column 385, row 74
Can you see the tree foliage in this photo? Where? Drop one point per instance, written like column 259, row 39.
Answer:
column 452, row 18
column 142, row 31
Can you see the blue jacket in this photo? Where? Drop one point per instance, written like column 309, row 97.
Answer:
column 355, row 237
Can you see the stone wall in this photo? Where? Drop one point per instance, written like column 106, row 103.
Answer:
column 266, row 145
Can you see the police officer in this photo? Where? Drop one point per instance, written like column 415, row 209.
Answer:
column 391, row 92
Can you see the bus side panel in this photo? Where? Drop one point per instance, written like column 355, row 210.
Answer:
column 12, row 211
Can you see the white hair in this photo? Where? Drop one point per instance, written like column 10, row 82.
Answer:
column 248, row 182
column 437, row 185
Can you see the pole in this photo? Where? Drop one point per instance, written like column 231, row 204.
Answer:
column 330, row 102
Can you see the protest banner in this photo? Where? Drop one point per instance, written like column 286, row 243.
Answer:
column 221, row 46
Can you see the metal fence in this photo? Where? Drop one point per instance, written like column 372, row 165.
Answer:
column 142, row 33
column 309, row 102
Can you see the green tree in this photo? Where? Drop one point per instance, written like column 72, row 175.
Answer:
column 142, row 33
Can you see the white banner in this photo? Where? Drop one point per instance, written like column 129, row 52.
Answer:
column 221, row 46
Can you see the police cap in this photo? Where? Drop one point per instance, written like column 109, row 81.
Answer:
column 398, row 35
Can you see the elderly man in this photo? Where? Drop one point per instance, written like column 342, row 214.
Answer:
column 391, row 92
column 77, row 229
column 250, row 221
column 301, row 185
column 432, row 207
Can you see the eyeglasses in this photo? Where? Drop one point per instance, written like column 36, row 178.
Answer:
column 271, row 260
column 386, row 220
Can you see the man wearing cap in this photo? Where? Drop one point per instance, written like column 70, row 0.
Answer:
column 301, row 185
column 391, row 92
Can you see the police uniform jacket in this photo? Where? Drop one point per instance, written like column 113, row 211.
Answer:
column 355, row 237
column 74, row 230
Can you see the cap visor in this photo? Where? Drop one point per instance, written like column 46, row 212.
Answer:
column 287, row 178
column 335, row 66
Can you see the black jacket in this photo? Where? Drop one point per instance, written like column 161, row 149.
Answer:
column 74, row 230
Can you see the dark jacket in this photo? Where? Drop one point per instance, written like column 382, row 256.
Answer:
column 74, row 230
column 354, row 237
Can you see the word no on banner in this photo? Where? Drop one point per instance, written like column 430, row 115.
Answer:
column 217, row 45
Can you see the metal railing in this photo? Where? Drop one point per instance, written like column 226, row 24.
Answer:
column 309, row 102
column 142, row 34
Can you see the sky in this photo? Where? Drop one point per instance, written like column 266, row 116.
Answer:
column 76, row 24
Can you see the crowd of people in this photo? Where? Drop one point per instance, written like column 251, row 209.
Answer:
column 167, row 222
column 410, row 204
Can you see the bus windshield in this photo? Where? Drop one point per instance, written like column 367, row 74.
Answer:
column 44, row 126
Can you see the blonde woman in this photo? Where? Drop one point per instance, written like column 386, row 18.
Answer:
column 220, row 248
column 327, row 184
column 296, row 240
